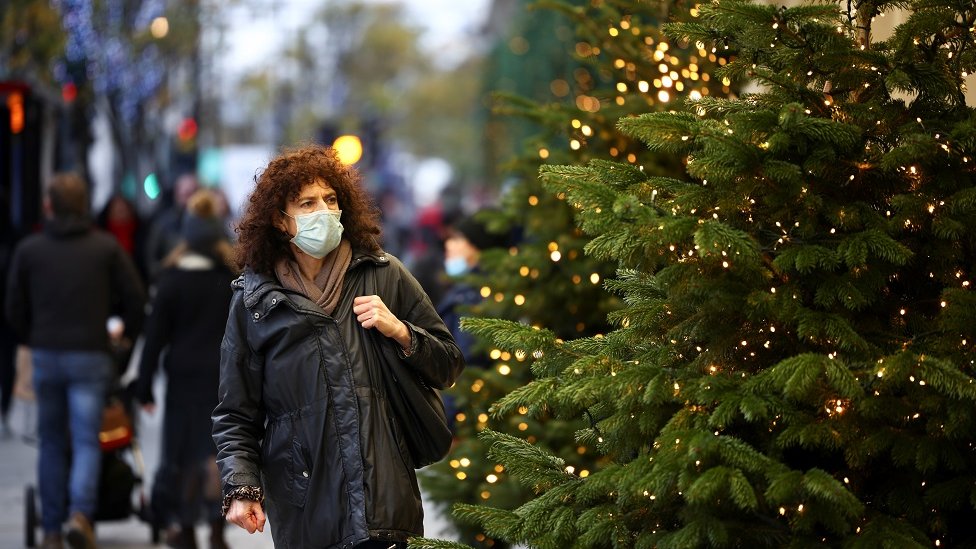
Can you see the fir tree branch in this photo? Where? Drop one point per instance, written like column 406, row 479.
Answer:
column 531, row 465
column 432, row 543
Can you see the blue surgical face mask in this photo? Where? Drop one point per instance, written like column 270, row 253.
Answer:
column 318, row 232
column 455, row 266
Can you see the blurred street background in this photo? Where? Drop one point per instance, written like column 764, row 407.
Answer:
column 525, row 110
column 138, row 95
column 135, row 94
column 19, row 457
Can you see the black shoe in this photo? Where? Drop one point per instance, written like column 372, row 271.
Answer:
column 52, row 541
column 217, row 540
column 181, row 538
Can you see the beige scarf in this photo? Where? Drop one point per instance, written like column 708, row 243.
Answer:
column 326, row 289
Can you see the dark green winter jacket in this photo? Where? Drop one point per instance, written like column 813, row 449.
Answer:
column 302, row 410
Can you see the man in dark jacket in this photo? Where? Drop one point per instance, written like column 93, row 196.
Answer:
column 61, row 289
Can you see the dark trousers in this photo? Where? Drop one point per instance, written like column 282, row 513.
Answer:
column 187, row 484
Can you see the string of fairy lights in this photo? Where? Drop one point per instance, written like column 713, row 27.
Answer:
column 673, row 79
column 100, row 53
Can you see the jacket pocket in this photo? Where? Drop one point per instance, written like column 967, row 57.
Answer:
column 285, row 464
column 299, row 473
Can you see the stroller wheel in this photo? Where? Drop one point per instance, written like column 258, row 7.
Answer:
column 30, row 522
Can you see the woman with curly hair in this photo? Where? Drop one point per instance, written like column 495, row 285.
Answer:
column 302, row 427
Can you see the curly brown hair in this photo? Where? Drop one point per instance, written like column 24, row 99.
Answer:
column 261, row 244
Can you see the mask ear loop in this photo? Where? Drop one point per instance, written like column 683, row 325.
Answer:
column 284, row 231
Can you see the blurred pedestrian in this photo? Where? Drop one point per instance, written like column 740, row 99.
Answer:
column 189, row 311
column 466, row 239
column 425, row 252
column 224, row 212
column 8, row 338
column 164, row 227
column 121, row 219
column 303, row 426
column 61, row 288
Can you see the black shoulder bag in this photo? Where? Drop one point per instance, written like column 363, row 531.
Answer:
column 415, row 406
column 418, row 410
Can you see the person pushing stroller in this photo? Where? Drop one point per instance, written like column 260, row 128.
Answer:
column 62, row 285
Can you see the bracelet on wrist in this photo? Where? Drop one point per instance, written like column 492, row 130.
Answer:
column 251, row 493
column 412, row 348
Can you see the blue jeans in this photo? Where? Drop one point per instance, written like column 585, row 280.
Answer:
column 71, row 388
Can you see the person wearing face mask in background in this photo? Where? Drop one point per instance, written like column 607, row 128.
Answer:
column 303, row 428
column 465, row 241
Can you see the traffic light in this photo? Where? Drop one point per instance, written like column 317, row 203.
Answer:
column 69, row 92
column 15, row 105
column 187, row 130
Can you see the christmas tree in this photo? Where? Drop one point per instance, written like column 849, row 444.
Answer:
column 584, row 65
column 794, row 363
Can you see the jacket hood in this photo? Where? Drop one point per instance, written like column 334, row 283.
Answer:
column 201, row 233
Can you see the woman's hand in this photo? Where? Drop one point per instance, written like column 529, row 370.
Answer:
column 371, row 312
column 247, row 514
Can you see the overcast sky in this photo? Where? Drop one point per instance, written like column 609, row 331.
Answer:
column 252, row 37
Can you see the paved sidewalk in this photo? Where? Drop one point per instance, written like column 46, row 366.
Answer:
column 18, row 469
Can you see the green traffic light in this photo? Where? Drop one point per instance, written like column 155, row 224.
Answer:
column 151, row 186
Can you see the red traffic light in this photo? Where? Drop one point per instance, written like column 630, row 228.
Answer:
column 69, row 92
column 187, row 129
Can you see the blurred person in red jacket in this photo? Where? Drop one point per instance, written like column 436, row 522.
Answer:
column 121, row 219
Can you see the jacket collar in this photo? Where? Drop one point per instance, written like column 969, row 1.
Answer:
column 64, row 227
column 257, row 285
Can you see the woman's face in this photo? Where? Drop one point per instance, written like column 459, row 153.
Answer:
column 313, row 197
